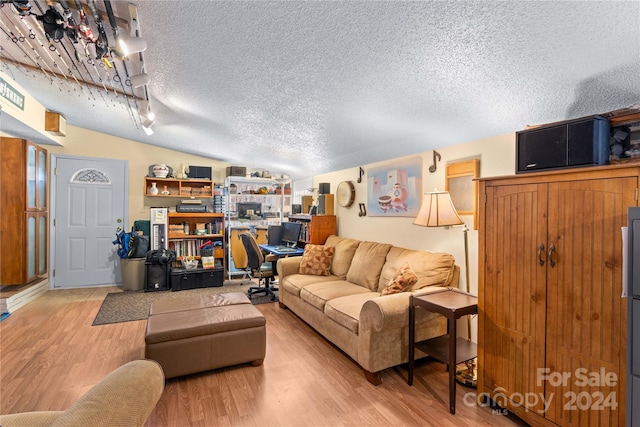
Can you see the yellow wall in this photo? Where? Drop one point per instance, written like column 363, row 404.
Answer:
column 497, row 157
column 87, row 143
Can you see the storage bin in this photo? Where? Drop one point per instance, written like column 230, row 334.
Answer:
column 133, row 270
column 182, row 279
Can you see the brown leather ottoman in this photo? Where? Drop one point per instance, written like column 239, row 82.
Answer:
column 206, row 333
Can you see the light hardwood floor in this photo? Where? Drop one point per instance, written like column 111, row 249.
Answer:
column 50, row 355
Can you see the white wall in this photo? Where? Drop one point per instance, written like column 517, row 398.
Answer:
column 497, row 157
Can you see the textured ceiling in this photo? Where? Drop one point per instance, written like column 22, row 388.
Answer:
column 311, row 87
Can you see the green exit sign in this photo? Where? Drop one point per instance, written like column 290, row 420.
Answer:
column 9, row 93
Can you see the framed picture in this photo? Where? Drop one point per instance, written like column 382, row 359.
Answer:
column 395, row 189
column 462, row 188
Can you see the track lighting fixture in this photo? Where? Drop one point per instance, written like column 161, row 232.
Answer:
column 146, row 126
column 138, row 80
column 130, row 45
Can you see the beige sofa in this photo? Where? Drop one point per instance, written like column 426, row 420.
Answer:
column 125, row 397
column 347, row 307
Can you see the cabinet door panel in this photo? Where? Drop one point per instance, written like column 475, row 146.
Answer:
column 32, row 244
column 41, row 179
column 42, row 243
column 32, row 173
column 514, row 300
column 585, row 313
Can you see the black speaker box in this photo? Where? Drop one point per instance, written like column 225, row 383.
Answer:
column 574, row 143
column 325, row 188
column 200, row 172
column 158, row 269
column 156, row 277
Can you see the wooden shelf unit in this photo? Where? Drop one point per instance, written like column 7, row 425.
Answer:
column 187, row 244
column 316, row 228
column 196, row 188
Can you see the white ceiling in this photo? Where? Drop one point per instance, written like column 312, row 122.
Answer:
column 307, row 87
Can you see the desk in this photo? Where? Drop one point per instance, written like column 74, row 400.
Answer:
column 448, row 348
column 272, row 249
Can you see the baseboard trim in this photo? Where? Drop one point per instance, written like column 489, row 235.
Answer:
column 30, row 292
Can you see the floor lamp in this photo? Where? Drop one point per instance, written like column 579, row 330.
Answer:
column 437, row 210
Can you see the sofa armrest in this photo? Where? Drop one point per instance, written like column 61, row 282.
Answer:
column 288, row 266
column 39, row 418
column 385, row 312
column 389, row 311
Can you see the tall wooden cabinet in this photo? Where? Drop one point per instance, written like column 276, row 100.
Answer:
column 23, row 211
column 552, row 322
column 315, row 228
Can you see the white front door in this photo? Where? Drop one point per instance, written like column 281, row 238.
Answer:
column 89, row 204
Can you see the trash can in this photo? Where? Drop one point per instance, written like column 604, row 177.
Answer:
column 132, row 273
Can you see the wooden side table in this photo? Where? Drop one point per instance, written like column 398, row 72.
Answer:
column 447, row 348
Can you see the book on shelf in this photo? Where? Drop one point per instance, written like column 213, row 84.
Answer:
column 187, row 247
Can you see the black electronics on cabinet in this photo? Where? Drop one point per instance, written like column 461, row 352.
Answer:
column 574, row 143
column 200, row 172
column 325, row 188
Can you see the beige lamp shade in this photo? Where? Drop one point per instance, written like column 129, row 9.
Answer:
column 437, row 210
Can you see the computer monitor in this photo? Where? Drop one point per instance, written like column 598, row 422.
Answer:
column 274, row 235
column 291, row 233
column 249, row 210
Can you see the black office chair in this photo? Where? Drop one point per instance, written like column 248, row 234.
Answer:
column 257, row 268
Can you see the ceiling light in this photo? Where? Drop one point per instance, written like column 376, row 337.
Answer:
column 138, row 80
column 145, row 111
column 131, row 45
column 148, row 123
column 146, row 126
column 149, row 115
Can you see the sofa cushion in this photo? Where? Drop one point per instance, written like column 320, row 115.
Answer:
column 316, row 260
column 432, row 268
column 346, row 310
column 404, row 278
column 294, row 283
column 318, row 294
column 367, row 263
column 345, row 249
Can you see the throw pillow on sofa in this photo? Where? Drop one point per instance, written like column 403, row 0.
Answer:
column 403, row 280
column 316, row 260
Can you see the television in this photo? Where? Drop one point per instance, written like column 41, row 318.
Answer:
column 291, row 233
column 249, row 210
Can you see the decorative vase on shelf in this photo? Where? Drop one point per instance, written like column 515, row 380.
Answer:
column 154, row 189
column 165, row 191
column 160, row 171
